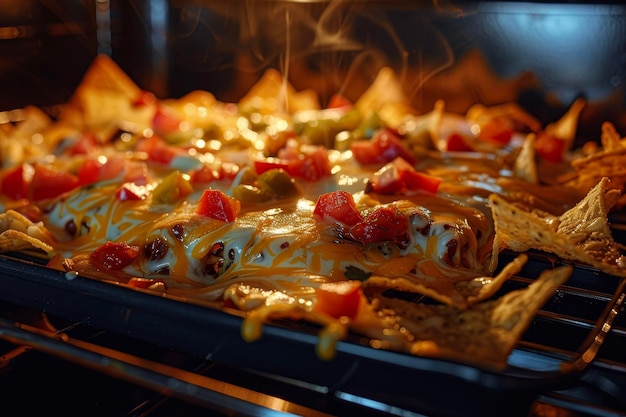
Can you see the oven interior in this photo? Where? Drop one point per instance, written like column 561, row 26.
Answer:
column 125, row 353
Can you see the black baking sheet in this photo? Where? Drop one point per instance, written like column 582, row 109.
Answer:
column 286, row 349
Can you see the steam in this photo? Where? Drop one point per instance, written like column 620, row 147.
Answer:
column 331, row 46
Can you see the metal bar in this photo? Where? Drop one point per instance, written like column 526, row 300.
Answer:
column 168, row 380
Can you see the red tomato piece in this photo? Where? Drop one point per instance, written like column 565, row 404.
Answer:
column 89, row 172
column 398, row 177
column 338, row 205
column 207, row 173
column 338, row 100
column 85, row 145
column 387, row 180
column 165, row 121
column 228, row 170
column 311, row 166
column 383, row 147
column 384, row 224
column 216, row 204
column 262, row 165
column 114, row 255
column 134, row 171
column 203, row 175
column 145, row 98
column 49, row 183
column 456, row 143
column 131, row 192
column 496, row 130
column 158, row 150
column 15, row 181
column 93, row 170
column 415, row 180
column 339, row 299
column 550, row 147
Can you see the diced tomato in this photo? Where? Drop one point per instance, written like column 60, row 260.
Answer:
column 94, row 170
column 383, row 147
column 496, row 130
column 310, row 163
column 49, row 183
column 339, row 299
column 398, row 177
column 204, row 175
column 228, row 170
column 550, row 147
column 415, row 180
column 384, row 224
column 338, row 205
column 15, row 181
column 165, row 121
column 134, row 171
column 145, row 98
column 208, row 173
column 311, row 166
column 263, row 165
column 158, row 150
column 338, row 100
column 216, row 204
column 456, row 143
column 131, row 192
column 89, row 172
column 85, row 145
column 114, row 255
column 387, row 180
column 147, row 283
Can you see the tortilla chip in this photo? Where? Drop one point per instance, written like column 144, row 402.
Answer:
column 105, row 75
column 273, row 94
column 609, row 161
column 104, row 100
column 386, row 89
column 525, row 167
column 479, row 113
column 484, row 334
column 19, row 233
column 610, row 139
column 580, row 234
column 460, row 293
column 565, row 128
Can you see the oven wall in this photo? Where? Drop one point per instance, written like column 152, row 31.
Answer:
column 542, row 55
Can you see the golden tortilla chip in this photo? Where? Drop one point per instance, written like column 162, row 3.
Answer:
column 479, row 113
column 580, row 234
column 273, row 94
column 565, row 128
column 610, row 139
column 525, row 167
column 385, row 90
column 484, row 334
column 105, row 75
column 461, row 292
column 609, row 160
column 105, row 99
column 18, row 233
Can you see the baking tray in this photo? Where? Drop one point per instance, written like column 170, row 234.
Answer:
column 287, row 349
